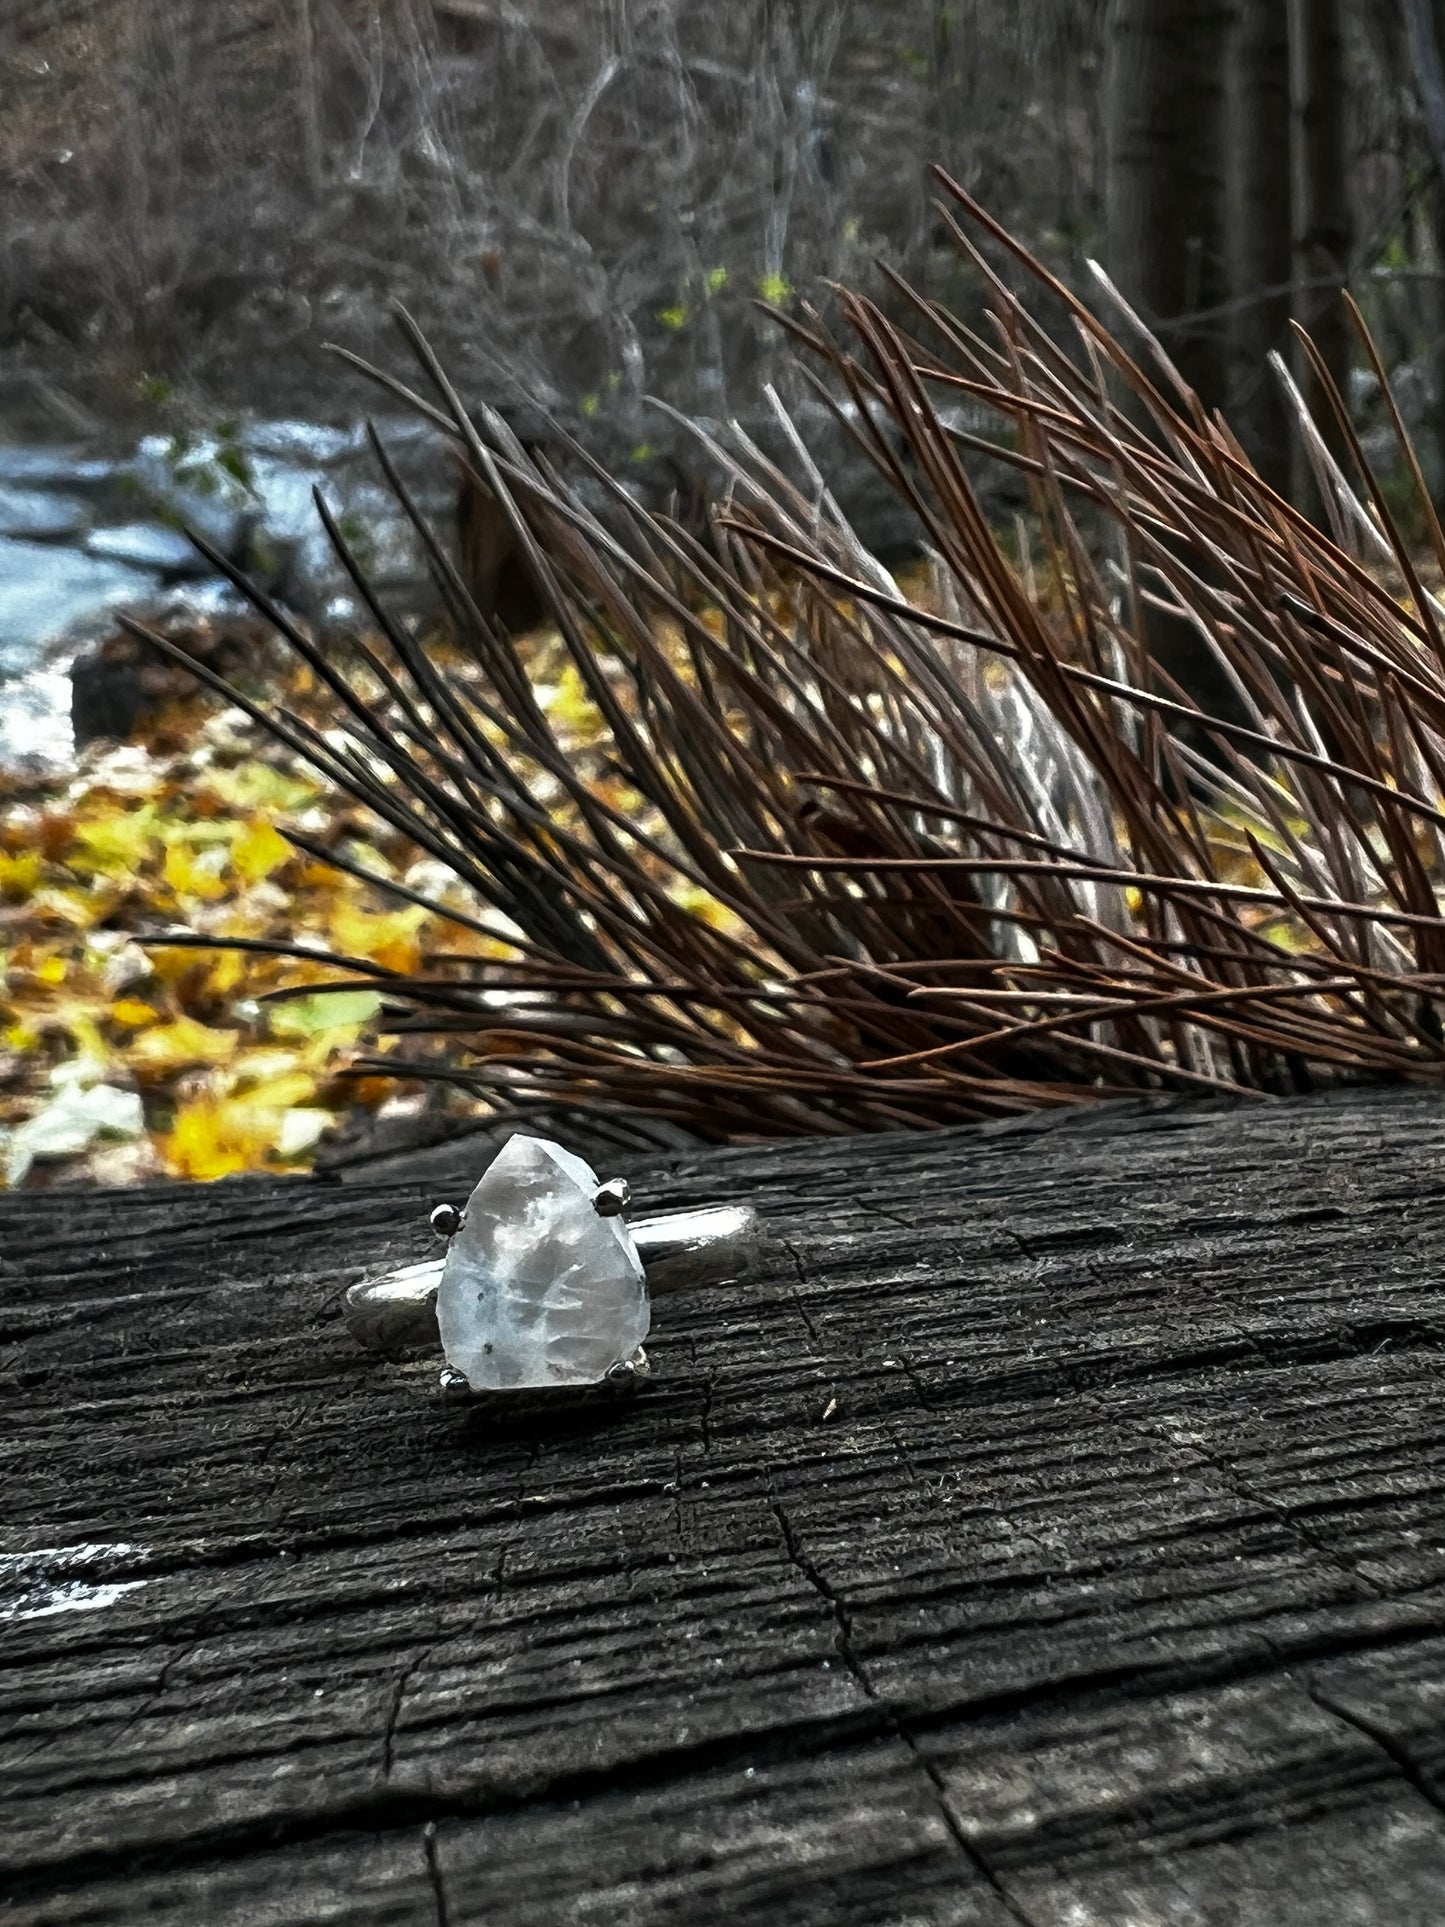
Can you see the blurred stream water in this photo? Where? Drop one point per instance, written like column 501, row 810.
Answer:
column 83, row 534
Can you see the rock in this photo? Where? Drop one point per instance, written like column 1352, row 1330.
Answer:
column 152, row 546
column 63, row 469
column 35, row 515
column 120, row 687
column 107, row 702
column 537, row 1289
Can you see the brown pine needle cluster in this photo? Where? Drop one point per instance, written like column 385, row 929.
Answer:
column 860, row 860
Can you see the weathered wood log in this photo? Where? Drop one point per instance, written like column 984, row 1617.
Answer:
column 1053, row 1533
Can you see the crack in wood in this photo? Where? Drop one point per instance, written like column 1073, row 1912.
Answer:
column 404, row 1679
column 896, row 1723
column 1394, row 1749
column 434, row 1874
column 797, row 1293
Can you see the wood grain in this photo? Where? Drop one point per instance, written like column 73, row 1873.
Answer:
column 1051, row 1534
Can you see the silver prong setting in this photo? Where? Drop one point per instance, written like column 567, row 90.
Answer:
column 453, row 1385
column 638, row 1366
column 611, row 1199
column 445, row 1220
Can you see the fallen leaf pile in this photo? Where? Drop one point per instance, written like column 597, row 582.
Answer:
column 122, row 1058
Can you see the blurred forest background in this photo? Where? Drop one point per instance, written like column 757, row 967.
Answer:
column 587, row 205
column 581, row 200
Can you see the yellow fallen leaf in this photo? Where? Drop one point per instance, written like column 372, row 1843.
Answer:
column 202, row 831
column 190, row 875
column 387, row 937
column 212, row 1135
column 178, row 968
column 369, row 857
column 706, row 907
column 256, row 786
column 180, row 1045
column 115, row 842
column 281, row 1093
column 210, row 1138
column 226, row 972
column 259, row 849
column 133, row 1013
column 326, row 1014
column 52, row 971
column 77, row 909
column 569, row 708
column 20, row 876
column 256, row 1066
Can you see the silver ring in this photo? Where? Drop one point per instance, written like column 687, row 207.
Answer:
column 545, row 1285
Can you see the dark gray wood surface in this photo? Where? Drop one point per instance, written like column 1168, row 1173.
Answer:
column 1053, row 1533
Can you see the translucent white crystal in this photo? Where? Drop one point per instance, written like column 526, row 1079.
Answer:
column 537, row 1289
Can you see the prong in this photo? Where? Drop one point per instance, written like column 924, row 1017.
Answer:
column 445, row 1220
column 610, row 1200
column 453, row 1385
column 638, row 1366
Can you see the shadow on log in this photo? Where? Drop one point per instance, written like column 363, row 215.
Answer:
column 1052, row 1532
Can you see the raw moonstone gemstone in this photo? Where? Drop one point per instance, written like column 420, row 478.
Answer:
column 537, row 1289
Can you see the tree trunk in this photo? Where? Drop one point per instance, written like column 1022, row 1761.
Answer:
column 1424, row 22
column 1425, row 27
column 1166, row 109
column 1166, row 203
column 308, row 99
column 1322, row 207
column 1262, row 233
